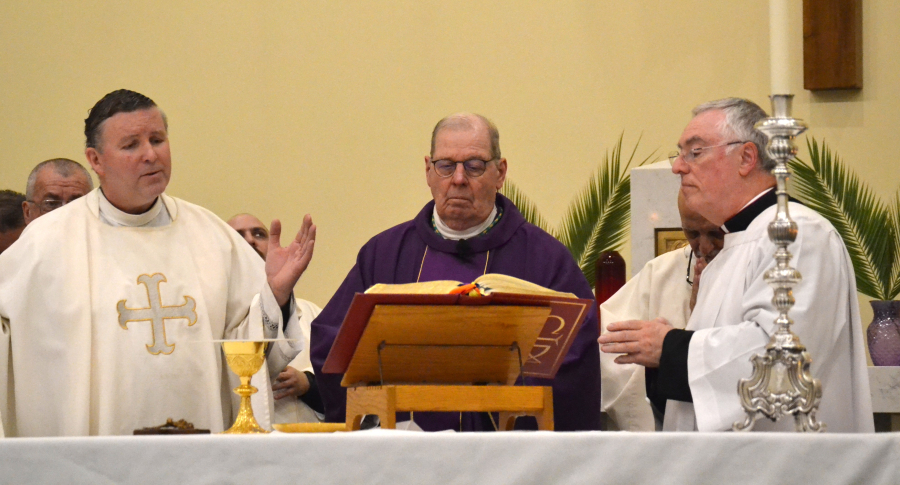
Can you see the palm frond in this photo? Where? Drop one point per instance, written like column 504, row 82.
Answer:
column 895, row 228
column 828, row 187
column 599, row 217
column 525, row 205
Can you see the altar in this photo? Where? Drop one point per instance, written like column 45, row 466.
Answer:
column 388, row 456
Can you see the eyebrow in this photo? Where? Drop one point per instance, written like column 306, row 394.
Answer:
column 693, row 139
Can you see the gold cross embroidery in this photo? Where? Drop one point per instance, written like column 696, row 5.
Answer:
column 157, row 314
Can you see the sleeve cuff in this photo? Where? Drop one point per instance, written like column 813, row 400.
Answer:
column 672, row 376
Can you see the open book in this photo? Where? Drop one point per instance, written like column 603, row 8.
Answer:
column 483, row 285
column 567, row 313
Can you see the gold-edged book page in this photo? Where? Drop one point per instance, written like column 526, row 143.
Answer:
column 501, row 283
column 440, row 287
column 495, row 283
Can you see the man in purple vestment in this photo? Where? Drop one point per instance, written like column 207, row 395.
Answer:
column 466, row 231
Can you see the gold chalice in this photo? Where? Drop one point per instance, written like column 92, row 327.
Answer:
column 245, row 358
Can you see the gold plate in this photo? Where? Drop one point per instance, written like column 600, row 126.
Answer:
column 310, row 427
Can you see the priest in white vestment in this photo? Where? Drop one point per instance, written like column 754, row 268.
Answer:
column 726, row 177
column 666, row 287
column 110, row 304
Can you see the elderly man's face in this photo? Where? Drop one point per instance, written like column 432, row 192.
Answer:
column 253, row 231
column 52, row 190
column 709, row 181
column 706, row 239
column 463, row 201
column 132, row 159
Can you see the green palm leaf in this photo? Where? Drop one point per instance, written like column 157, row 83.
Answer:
column 862, row 220
column 599, row 217
column 895, row 227
column 525, row 205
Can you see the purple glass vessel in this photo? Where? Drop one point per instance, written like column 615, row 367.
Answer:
column 884, row 333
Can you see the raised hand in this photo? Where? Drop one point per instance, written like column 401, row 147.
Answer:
column 285, row 265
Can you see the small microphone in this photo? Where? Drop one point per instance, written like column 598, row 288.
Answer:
column 464, row 250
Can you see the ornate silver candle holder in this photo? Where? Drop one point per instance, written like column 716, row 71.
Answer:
column 781, row 384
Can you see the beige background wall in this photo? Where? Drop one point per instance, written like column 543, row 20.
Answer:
column 326, row 107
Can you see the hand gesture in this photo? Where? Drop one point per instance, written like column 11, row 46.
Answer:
column 285, row 265
column 641, row 341
column 695, row 286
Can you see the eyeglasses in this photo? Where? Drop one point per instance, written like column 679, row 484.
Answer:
column 474, row 167
column 693, row 153
column 48, row 205
column 688, row 277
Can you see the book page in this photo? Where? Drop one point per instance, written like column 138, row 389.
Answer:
column 440, row 287
column 500, row 283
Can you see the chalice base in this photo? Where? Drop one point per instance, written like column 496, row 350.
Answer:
column 245, row 423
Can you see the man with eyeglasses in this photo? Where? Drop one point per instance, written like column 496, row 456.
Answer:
column 53, row 184
column 110, row 308
column 726, row 177
column 467, row 230
column 665, row 287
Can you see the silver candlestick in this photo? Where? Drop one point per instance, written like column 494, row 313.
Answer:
column 781, row 384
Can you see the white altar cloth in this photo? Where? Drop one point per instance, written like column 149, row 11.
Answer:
column 407, row 457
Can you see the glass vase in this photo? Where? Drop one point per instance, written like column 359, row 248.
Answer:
column 883, row 335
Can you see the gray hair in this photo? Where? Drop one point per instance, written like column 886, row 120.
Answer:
column 464, row 121
column 740, row 117
column 63, row 166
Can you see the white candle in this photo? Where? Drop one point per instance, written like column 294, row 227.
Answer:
column 779, row 58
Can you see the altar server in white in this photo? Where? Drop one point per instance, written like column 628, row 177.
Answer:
column 666, row 287
column 110, row 303
column 726, row 177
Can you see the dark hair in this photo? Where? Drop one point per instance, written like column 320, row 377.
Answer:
column 11, row 215
column 119, row 101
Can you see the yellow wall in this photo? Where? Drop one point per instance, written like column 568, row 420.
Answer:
column 283, row 108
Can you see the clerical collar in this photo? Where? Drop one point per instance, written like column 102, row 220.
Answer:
column 755, row 207
column 156, row 216
column 448, row 233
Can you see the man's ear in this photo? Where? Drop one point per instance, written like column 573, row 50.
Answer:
column 501, row 166
column 93, row 157
column 749, row 159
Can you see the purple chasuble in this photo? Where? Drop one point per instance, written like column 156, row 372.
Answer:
column 517, row 249
column 439, row 265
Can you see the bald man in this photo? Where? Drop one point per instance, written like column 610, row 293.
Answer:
column 666, row 287
column 295, row 390
column 52, row 184
column 467, row 230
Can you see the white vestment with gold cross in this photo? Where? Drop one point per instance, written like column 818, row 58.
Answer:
column 107, row 329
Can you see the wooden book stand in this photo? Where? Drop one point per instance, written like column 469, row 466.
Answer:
column 402, row 352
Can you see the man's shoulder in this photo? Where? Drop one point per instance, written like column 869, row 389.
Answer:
column 392, row 236
column 806, row 219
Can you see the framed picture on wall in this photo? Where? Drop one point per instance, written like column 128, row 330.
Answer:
column 669, row 239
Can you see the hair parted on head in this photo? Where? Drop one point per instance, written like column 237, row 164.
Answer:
column 464, row 121
column 741, row 116
column 119, row 101
column 63, row 166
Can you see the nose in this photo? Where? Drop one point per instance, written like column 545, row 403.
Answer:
column 459, row 175
column 149, row 154
column 707, row 249
column 679, row 166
